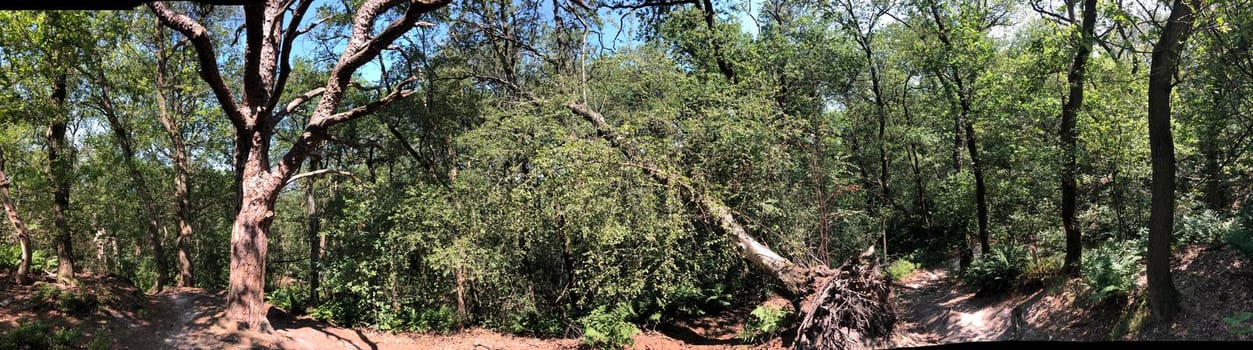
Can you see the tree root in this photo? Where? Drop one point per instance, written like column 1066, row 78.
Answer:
column 848, row 308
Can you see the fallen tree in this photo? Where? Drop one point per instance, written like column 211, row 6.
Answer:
column 846, row 307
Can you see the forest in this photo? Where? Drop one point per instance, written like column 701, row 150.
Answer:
column 610, row 174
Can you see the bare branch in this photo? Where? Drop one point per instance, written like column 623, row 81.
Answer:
column 289, row 37
column 296, row 103
column 207, row 56
column 1035, row 5
column 397, row 94
column 361, row 49
column 320, row 172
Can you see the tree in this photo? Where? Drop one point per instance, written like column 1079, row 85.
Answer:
column 1163, row 297
column 122, row 137
column 1070, row 110
column 172, row 114
column 22, row 275
column 836, row 308
column 266, row 68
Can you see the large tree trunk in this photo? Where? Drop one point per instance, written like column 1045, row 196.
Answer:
column 1163, row 297
column 1070, row 110
column 23, row 233
column 245, row 298
column 123, row 138
column 182, row 164
column 838, row 308
column 60, row 163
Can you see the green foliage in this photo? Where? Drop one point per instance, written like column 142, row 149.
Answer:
column 1110, row 270
column 766, row 322
column 998, row 270
column 608, row 330
column 290, row 298
column 64, row 338
column 1204, row 226
column 1242, row 240
column 31, row 335
column 441, row 320
column 101, row 340
column 70, row 301
column 900, row 269
column 1239, row 324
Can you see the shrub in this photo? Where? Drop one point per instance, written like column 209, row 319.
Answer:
column 290, row 298
column 32, row 335
column 1111, row 269
column 1203, row 227
column 64, row 338
column 1242, row 240
column 901, row 268
column 1239, row 325
column 766, row 322
column 101, row 340
column 608, row 330
column 999, row 269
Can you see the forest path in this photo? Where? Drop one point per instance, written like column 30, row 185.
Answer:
column 935, row 310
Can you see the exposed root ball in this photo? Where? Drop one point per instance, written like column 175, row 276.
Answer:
column 850, row 307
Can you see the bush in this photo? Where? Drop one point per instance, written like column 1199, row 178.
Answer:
column 1242, row 240
column 608, row 330
column 766, row 322
column 101, row 340
column 1203, row 227
column 32, row 335
column 999, row 269
column 1239, row 325
column 68, row 301
column 901, row 268
column 290, row 298
column 1111, row 270
column 64, row 338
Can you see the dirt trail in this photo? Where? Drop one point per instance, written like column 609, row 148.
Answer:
column 934, row 311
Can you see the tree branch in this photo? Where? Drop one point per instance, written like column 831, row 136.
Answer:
column 320, row 172
column 296, row 103
column 289, row 37
column 396, row 95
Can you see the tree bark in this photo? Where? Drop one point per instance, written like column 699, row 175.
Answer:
column 181, row 160
column 60, row 164
column 124, row 142
column 981, row 188
column 22, row 275
column 1163, row 297
column 1070, row 110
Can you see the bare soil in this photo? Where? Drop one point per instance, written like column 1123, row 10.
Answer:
column 934, row 308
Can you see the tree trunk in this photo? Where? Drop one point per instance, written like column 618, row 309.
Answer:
column 60, row 163
column 245, row 299
column 1163, row 297
column 976, row 165
column 313, row 225
column 123, row 138
column 1070, row 110
column 838, row 308
column 23, row 233
column 182, row 165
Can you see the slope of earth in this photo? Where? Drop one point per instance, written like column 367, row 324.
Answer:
column 1214, row 283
